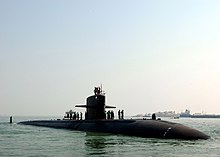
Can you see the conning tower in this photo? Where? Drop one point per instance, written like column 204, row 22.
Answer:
column 95, row 105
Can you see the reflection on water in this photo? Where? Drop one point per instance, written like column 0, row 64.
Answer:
column 95, row 141
column 95, row 144
column 103, row 144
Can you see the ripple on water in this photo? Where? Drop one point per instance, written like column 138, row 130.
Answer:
column 22, row 140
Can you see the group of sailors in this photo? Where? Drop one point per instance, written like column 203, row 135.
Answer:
column 98, row 90
column 73, row 115
column 121, row 114
column 79, row 115
column 110, row 114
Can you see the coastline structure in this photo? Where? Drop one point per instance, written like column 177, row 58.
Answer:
column 187, row 114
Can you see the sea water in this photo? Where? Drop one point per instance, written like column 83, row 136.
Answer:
column 31, row 141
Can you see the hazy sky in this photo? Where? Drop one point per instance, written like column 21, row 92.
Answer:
column 150, row 56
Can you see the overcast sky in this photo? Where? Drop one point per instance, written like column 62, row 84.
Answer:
column 150, row 55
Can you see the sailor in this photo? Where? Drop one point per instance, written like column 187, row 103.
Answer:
column 153, row 116
column 95, row 90
column 99, row 90
column 81, row 115
column 77, row 115
column 122, row 114
column 67, row 115
column 86, row 115
column 74, row 115
column 119, row 114
column 108, row 115
column 71, row 115
column 112, row 115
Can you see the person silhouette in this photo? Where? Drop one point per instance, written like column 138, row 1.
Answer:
column 153, row 116
column 119, row 114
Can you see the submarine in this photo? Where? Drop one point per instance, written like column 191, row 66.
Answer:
column 98, row 120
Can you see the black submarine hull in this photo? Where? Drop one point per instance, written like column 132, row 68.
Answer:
column 96, row 121
column 141, row 128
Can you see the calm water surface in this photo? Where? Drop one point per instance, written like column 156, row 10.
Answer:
column 31, row 141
